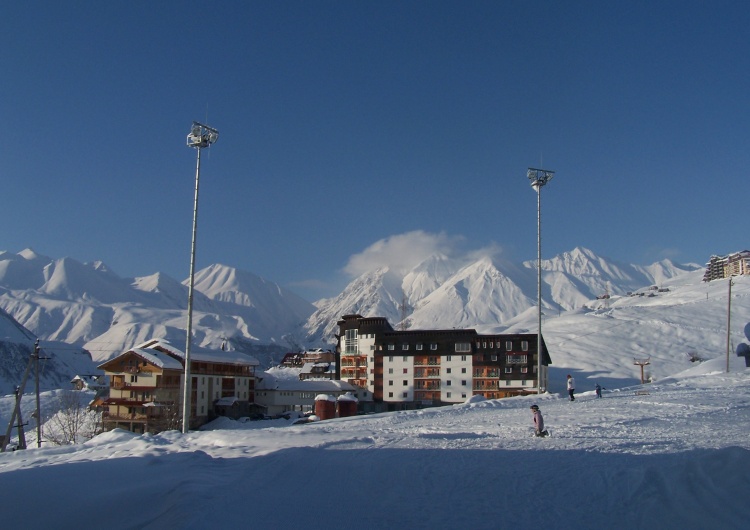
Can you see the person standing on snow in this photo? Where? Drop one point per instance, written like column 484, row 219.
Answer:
column 571, row 388
column 539, row 429
column 598, row 390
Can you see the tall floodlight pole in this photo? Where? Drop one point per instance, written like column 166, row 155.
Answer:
column 200, row 136
column 538, row 178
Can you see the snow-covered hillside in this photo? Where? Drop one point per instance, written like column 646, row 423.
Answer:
column 58, row 364
column 676, row 457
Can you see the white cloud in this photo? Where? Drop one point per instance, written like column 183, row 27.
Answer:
column 402, row 252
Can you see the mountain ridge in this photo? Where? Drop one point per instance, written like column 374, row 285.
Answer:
column 90, row 306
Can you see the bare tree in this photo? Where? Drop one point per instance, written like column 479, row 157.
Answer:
column 73, row 422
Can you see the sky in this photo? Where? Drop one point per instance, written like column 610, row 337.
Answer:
column 357, row 132
column 675, row 457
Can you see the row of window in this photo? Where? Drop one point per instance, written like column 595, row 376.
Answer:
column 463, row 346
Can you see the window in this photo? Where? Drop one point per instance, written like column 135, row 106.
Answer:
column 406, row 383
column 448, row 358
column 524, row 370
column 463, row 346
column 463, row 383
column 390, row 383
column 484, row 345
column 448, row 370
column 405, row 394
column 390, row 370
column 523, row 382
column 433, row 346
column 463, row 370
column 494, row 357
column 404, row 347
column 525, row 345
column 508, row 345
column 391, row 347
column 516, row 359
column 508, row 370
column 492, row 344
column 419, row 346
column 390, row 358
column 406, row 370
column 463, row 394
column 448, row 394
column 507, row 382
column 390, row 394
column 448, row 382
column 350, row 341
column 133, row 378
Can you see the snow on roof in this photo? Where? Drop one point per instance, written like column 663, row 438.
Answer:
column 232, row 357
column 227, row 401
column 158, row 358
column 267, row 381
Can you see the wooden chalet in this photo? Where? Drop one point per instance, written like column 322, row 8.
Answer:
column 145, row 393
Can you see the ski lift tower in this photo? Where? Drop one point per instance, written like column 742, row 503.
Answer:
column 642, row 363
column 538, row 178
column 200, row 136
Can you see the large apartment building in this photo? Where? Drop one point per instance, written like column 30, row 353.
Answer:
column 421, row 368
column 145, row 393
column 735, row 264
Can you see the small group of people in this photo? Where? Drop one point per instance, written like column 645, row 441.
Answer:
column 572, row 388
column 539, row 429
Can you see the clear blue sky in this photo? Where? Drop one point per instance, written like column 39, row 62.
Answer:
column 346, row 123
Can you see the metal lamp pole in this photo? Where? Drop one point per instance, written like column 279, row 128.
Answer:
column 538, row 178
column 200, row 136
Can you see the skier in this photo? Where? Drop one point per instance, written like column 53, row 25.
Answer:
column 598, row 390
column 539, row 429
column 571, row 388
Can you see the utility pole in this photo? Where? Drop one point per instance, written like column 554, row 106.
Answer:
column 38, row 407
column 17, row 409
column 729, row 317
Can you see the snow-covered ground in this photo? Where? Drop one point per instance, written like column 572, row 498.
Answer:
column 676, row 457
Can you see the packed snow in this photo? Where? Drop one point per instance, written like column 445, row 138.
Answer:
column 671, row 454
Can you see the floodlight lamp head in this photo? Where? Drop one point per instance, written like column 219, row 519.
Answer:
column 201, row 136
column 539, row 177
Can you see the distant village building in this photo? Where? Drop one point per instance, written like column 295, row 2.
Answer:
column 421, row 368
column 318, row 370
column 316, row 355
column 735, row 264
column 275, row 395
column 145, row 393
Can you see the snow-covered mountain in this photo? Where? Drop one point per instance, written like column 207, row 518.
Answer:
column 91, row 306
column 487, row 291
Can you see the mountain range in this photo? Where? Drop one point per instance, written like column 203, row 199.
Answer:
column 91, row 307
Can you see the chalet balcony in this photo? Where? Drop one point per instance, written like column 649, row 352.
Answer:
column 131, row 369
column 111, row 418
column 128, row 401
